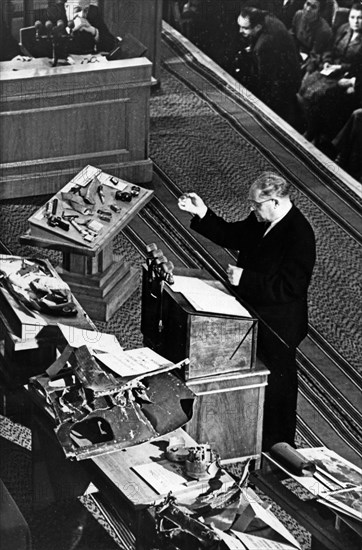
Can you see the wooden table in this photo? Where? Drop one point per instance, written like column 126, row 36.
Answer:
column 330, row 530
column 99, row 279
column 55, row 477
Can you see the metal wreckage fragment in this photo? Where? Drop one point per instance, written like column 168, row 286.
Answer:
column 96, row 412
column 182, row 527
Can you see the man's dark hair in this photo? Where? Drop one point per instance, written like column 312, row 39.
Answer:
column 356, row 6
column 255, row 16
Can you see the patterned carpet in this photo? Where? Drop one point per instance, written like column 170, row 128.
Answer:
column 200, row 149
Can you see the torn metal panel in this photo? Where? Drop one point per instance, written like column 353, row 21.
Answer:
column 97, row 412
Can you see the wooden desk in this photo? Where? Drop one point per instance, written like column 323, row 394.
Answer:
column 56, row 120
column 329, row 530
column 55, row 477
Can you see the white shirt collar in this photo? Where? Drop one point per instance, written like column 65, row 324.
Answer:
column 273, row 224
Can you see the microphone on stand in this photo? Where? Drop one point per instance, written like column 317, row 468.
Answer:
column 51, row 36
column 60, row 27
column 38, row 26
column 48, row 27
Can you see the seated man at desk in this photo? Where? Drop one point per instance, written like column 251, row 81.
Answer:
column 68, row 27
column 90, row 34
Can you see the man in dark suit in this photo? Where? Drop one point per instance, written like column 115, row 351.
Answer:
column 90, row 33
column 70, row 27
column 272, row 275
column 267, row 62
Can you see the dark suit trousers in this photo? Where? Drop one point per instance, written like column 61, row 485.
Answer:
column 281, row 393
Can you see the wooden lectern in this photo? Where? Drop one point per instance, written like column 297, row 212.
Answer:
column 224, row 373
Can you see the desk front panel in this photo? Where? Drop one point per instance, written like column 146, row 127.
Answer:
column 53, row 121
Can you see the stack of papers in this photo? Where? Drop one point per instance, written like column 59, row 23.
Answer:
column 108, row 352
column 134, row 362
column 208, row 296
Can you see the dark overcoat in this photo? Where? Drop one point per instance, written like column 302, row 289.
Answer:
column 277, row 267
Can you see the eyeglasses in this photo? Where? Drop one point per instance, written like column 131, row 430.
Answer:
column 312, row 6
column 92, row 59
column 255, row 205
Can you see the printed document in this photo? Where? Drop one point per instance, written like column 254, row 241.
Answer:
column 207, row 297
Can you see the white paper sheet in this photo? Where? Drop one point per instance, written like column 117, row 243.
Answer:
column 163, row 476
column 203, row 296
column 94, row 340
column 251, row 542
column 133, row 362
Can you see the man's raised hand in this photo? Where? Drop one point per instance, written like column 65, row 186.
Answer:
column 192, row 203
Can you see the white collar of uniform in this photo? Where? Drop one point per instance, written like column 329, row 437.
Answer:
column 273, row 224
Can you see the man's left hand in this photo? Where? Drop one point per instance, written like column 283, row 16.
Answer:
column 234, row 274
column 82, row 24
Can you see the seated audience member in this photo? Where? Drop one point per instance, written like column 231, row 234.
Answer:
column 326, row 101
column 267, row 63
column 282, row 9
column 312, row 34
column 348, row 146
column 286, row 9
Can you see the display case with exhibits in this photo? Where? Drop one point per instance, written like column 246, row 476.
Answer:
column 81, row 221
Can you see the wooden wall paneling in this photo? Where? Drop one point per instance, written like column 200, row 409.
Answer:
column 54, row 121
column 142, row 18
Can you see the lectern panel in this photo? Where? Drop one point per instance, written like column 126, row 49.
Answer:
column 213, row 343
column 228, row 413
column 224, row 373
